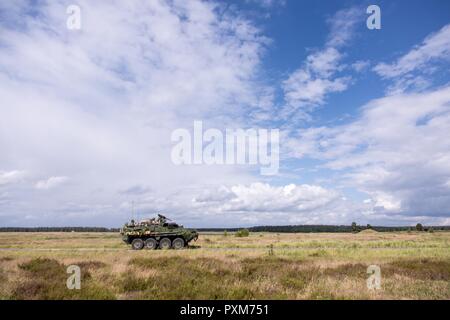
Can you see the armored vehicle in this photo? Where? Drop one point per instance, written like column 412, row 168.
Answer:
column 157, row 233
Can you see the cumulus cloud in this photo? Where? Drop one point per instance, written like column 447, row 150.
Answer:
column 289, row 204
column 410, row 70
column 50, row 183
column 397, row 152
column 8, row 177
column 342, row 26
column 98, row 105
column 267, row 4
column 308, row 86
column 435, row 46
column 136, row 190
column 360, row 65
column 262, row 197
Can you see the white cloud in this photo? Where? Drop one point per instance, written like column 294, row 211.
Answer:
column 8, row 177
column 303, row 89
column 435, row 46
column 323, row 63
column 408, row 82
column 50, row 183
column 398, row 152
column 308, row 86
column 342, row 26
column 98, row 105
column 262, row 203
column 411, row 71
column 262, row 197
column 360, row 65
column 268, row 4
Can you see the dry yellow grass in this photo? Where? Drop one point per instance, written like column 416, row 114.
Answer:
column 302, row 266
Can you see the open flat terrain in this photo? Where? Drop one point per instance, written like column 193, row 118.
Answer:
column 263, row 266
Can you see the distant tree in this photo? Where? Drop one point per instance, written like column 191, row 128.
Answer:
column 419, row 227
column 354, row 227
column 242, row 233
column 369, row 226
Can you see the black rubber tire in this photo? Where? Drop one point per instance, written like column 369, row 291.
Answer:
column 178, row 243
column 151, row 244
column 137, row 244
column 165, row 244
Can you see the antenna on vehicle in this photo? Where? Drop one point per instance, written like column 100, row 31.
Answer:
column 137, row 216
column 132, row 210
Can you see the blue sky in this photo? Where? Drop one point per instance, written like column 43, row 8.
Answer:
column 87, row 114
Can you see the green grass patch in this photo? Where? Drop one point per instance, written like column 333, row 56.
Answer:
column 45, row 279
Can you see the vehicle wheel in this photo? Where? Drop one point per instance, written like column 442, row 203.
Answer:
column 178, row 243
column 137, row 244
column 165, row 243
column 150, row 244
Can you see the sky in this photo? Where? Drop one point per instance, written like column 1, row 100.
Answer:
column 88, row 111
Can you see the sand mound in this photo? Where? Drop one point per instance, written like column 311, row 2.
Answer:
column 368, row 231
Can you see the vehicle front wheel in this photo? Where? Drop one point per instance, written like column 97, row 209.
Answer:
column 137, row 244
column 151, row 244
column 165, row 243
column 178, row 243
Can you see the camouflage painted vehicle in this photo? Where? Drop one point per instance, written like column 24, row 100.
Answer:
column 157, row 233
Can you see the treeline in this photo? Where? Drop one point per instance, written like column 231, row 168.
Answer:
column 58, row 229
column 342, row 228
column 278, row 229
column 285, row 229
column 302, row 228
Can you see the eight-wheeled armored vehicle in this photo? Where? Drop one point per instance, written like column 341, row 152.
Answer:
column 157, row 233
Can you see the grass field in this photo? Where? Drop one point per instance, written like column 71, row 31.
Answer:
column 262, row 266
